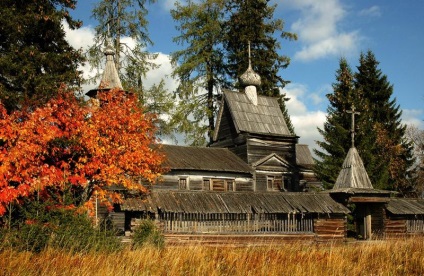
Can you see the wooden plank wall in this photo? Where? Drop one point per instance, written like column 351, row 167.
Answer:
column 330, row 228
column 377, row 219
column 401, row 226
column 260, row 148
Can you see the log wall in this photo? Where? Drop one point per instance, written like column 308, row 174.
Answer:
column 330, row 228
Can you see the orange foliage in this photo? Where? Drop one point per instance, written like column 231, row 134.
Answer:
column 65, row 144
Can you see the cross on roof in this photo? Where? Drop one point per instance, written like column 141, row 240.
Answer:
column 352, row 130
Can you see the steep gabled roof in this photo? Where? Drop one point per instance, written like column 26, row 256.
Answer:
column 203, row 159
column 353, row 173
column 263, row 118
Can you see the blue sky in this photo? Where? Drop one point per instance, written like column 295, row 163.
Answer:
column 327, row 30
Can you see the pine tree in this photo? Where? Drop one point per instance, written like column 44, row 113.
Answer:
column 35, row 58
column 336, row 129
column 390, row 149
column 253, row 21
column 199, row 67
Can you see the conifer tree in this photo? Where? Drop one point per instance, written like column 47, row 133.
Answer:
column 35, row 58
column 379, row 134
column 253, row 20
column 128, row 18
column 392, row 154
column 199, row 67
column 336, row 129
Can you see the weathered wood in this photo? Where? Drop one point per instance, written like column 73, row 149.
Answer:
column 363, row 199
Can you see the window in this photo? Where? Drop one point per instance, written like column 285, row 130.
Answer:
column 275, row 183
column 182, row 183
column 219, row 184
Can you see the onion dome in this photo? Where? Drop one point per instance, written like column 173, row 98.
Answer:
column 250, row 77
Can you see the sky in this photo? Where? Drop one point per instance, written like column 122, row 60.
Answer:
column 327, row 30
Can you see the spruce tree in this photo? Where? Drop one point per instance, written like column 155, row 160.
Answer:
column 35, row 58
column 379, row 134
column 336, row 129
column 253, row 20
column 391, row 154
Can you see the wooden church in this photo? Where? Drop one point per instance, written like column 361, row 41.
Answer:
column 256, row 179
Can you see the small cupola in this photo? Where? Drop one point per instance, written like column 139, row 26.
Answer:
column 250, row 80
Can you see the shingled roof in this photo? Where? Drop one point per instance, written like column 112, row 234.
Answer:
column 303, row 156
column 203, row 159
column 234, row 202
column 263, row 118
column 353, row 173
column 406, row 206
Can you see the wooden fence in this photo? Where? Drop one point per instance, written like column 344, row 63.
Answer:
column 236, row 223
column 415, row 225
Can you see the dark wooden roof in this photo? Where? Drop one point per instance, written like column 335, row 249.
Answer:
column 263, row 118
column 234, row 202
column 304, row 156
column 203, row 159
column 353, row 173
column 406, row 206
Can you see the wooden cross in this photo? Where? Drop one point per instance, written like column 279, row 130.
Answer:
column 352, row 131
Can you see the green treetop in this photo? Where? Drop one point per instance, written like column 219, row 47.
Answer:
column 35, row 58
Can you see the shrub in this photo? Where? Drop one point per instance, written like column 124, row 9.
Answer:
column 147, row 233
column 58, row 228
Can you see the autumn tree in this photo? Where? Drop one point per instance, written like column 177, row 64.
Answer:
column 68, row 148
column 199, row 67
column 35, row 58
column 254, row 21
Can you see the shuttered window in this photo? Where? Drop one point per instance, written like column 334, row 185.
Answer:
column 275, row 183
column 219, row 184
column 182, row 184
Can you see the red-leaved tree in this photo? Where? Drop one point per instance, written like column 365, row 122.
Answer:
column 70, row 147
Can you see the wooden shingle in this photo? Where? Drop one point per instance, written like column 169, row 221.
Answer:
column 263, row 118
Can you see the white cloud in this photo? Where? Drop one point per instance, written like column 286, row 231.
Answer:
column 304, row 121
column 373, row 11
column 318, row 29
column 337, row 45
column 168, row 4
column 411, row 117
column 164, row 72
column 79, row 38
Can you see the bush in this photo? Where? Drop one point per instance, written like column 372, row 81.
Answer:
column 59, row 228
column 147, row 233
